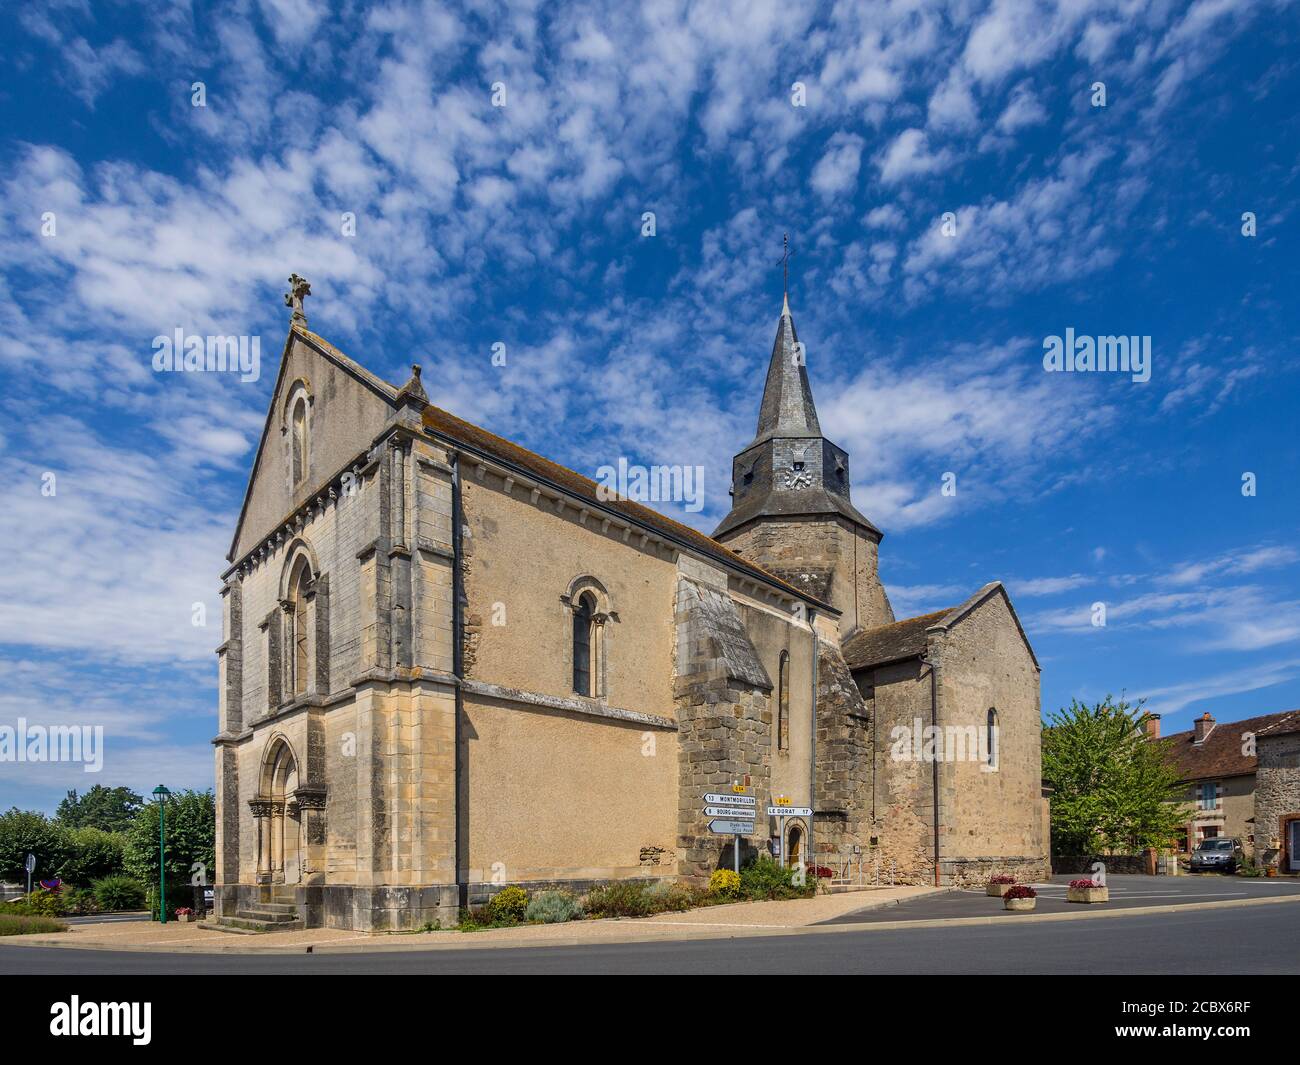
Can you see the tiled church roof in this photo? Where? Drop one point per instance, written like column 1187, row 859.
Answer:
column 474, row 437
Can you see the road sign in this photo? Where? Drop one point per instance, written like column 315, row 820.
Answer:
column 736, row 812
column 789, row 811
column 724, row 799
column 731, row 828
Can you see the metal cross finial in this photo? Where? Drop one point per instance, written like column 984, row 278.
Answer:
column 299, row 289
column 785, row 263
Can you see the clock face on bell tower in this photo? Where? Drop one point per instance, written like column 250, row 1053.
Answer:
column 798, row 477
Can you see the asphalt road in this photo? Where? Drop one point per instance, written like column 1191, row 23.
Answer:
column 1126, row 892
column 1239, row 940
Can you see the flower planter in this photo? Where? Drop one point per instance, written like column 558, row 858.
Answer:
column 998, row 890
column 1019, row 905
column 1087, row 894
column 185, row 918
column 1270, row 871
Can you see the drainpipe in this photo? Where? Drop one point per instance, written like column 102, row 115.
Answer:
column 812, row 804
column 934, row 722
column 461, row 859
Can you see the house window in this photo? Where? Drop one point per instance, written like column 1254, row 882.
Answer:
column 783, row 704
column 991, row 738
column 583, row 614
column 1209, row 796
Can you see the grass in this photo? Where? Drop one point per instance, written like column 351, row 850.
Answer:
column 21, row 925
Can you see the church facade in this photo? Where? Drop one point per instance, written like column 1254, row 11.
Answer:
column 449, row 664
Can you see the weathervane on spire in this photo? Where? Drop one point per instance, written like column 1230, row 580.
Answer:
column 785, row 263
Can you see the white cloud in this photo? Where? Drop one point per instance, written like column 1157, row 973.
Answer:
column 837, row 171
column 909, row 156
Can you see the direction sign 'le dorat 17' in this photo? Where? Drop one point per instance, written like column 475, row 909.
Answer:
column 789, row 811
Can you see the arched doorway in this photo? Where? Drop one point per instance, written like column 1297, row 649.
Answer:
column 279, row 852
column 794, row 845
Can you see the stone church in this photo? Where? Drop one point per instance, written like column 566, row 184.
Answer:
column 450, row 664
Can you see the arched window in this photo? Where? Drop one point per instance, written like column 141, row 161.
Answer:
column 298, row 427
column 991, row 739
column 583, row 614
column 783, row 704
column 299, row 660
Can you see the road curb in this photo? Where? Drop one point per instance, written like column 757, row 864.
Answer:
column 1090, row 913
column 461, row 941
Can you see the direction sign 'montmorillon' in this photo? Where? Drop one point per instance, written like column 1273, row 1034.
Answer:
column 724, row 799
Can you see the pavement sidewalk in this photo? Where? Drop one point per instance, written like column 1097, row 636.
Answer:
column 707, row 922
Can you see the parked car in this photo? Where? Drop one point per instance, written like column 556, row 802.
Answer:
column 1222, row 854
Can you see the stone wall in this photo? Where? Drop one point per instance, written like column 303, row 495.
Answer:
column 844, row 759
column 1277, row 798
column 829, row 558
column 724, row 713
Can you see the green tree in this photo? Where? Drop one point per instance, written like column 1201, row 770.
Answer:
column 191, row 839
column 24, row 832
column 1114, row 791
column 108, row 809
column 90, row 854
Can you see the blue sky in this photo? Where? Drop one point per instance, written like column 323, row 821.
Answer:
column 522, row 224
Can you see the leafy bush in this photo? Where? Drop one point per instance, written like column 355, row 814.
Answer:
column 670, row 896
column 12, row 924
column 89, row 854
column 119, row 893
column 1021, row 891
column 507, row 906
column 1249, row 869
column 23, row 832
column 724, row 883
column 1002, row 878
column 620, row 898
column 42, row 903
column 553, row 907
column 80, row 901
column 765, row 878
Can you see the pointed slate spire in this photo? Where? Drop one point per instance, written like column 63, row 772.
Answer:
column 787, row 408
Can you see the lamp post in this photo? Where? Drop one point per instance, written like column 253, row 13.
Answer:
column 161, row 793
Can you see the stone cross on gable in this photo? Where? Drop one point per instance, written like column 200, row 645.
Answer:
column 299, row 289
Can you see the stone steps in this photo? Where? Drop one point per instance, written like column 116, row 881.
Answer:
column 252, row 922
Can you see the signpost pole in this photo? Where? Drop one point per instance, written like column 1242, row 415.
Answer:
column 31, row 865
column 735, row 854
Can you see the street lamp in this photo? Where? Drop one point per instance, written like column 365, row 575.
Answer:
column 161, row 793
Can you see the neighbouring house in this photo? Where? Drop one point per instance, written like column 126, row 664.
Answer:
column 1221, row 765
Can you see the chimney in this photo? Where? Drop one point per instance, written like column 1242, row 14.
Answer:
column 1204, row 726
column 1153, row 726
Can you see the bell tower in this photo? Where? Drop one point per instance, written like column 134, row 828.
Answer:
column 791, row 510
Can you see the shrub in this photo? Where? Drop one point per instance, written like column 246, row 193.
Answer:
column 765, row 878
column 620, row 898
column 119, row 893
column 1084, row 883
column 670, row 896
column 553, row 907
column 1002, row 878
column 507, row 906
column 12, row 924
column 80, row 901
column 724, row 883
column 90, row 854
column 1021, row 891
column 43, row 903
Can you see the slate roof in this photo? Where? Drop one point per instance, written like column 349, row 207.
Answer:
column 868, row 648
column 1223, row 752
